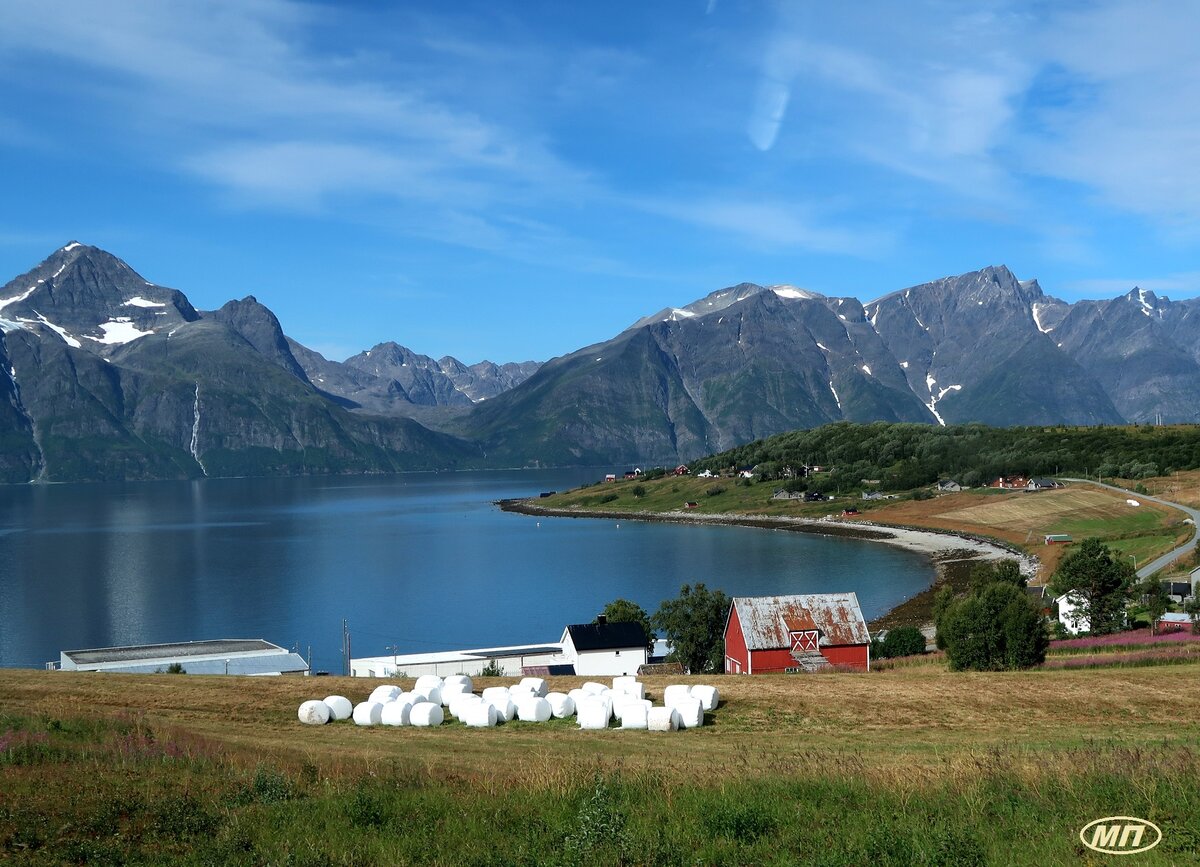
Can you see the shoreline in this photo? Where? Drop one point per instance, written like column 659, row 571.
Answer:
column 951, row 554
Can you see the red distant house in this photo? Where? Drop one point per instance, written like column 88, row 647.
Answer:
column 766, row 634
column 1009, row 482
column 682, row 470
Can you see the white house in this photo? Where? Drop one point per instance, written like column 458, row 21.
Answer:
column 512, row 660
column 604, row 649
column 1070, row 613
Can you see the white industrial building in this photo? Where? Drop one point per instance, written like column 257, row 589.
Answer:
column 587, row 649
column 247, row 656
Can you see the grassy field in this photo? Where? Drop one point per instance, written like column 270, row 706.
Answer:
column 1016, row 518
column 911, row 766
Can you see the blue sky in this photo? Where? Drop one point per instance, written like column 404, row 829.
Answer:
column 516, row 180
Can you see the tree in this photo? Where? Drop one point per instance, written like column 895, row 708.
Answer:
column 694, row 624
column 989, row 571
column 1192, row 609
column 1156, row 599
column 993, row 629
column 624, row 611
column 1100, row 581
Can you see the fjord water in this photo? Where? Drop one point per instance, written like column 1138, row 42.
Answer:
column 419, row 561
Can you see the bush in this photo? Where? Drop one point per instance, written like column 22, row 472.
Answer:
column 608, row 498
column 638, row 491
column 492, row 669
column 714, row 491
column 993, row 629
column 901, row 641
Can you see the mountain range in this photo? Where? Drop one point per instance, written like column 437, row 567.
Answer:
column 110, row 376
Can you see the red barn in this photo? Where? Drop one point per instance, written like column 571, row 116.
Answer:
column 766, row 634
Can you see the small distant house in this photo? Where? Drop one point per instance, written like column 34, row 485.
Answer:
column 1041, row 485
column 849, row 512
column 706, row 474
column 1177, row 590
column 766, row 634
column 610, row 477
column 1173, row 621
column 872, row 495
column 690, row 505
column 1070, row 614
column 1058, row 538
column 949, row 486
column 604, row 649
column 1040, row 596
column 682, row 470
column 746, row 472
column 781, row 494
column 1009, row 482
column 631, row 474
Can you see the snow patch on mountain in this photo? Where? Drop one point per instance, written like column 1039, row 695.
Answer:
column 61, row 332
column 119, row 331
column 139, row 301
column 792, row 292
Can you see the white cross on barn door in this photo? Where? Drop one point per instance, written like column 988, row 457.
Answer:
column 805, row 640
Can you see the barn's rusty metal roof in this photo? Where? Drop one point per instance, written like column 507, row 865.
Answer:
column 768, row 621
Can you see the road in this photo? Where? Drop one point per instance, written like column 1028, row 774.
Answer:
column 1168, row 558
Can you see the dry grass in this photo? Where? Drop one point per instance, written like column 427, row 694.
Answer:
column 914, row 719
column 1023, row 519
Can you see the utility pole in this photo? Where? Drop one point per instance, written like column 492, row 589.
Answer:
column 394, row 649
column 345, row 648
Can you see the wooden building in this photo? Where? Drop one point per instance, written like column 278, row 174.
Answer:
column 765, row 634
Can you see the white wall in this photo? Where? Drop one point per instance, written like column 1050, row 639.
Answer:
column 609, row 663
column 1069, row 615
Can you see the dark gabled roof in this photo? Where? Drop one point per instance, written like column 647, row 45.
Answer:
column 606, row 636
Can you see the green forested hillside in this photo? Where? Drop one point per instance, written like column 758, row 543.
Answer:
column 903, row 456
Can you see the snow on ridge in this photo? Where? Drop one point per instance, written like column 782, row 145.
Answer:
column 71, row 246
column 784, row 290
column 7, row 325
column 867, row 370
column 57, row 329
column 835, row 394
column 823, row 346
column 7, row 301
column 930, row 382
column 139, row 301
column 904, row 364
column 119, row 331
column 677, row 314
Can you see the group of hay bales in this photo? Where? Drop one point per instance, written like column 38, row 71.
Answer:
column 594, row 705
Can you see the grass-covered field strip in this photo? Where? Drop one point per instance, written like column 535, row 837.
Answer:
column 911, row 766
column 1013, row 517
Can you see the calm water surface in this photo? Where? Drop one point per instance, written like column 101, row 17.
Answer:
column 420, row 561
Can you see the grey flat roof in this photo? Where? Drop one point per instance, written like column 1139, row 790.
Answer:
column 515, row 651
column 284, row 663
column 134, row 652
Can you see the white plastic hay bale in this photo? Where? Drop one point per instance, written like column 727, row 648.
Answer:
column 536, row 685
column 577, row 695
column 313, row 713
column 593, row 688
column 462, row 679
column 368, row 713
column 629, row 686
column 482, row 715
column 450, row 690
column 621, row 700
column 427, row 682
column 662, row 719
column 339, row 707
column 676, row 693
column 691, row 713
column 461, row 702
column 533, row 709
column 592, row 713
column 635, row 716
column 412, row 697
column 561, row 705
column 495, row 693
column 433, row 694
column 505, row 708
column 396, row 713
column 708, row 695
column 426, row 714
column 384, row 693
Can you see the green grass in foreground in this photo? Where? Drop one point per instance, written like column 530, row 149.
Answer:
column 119, row 792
